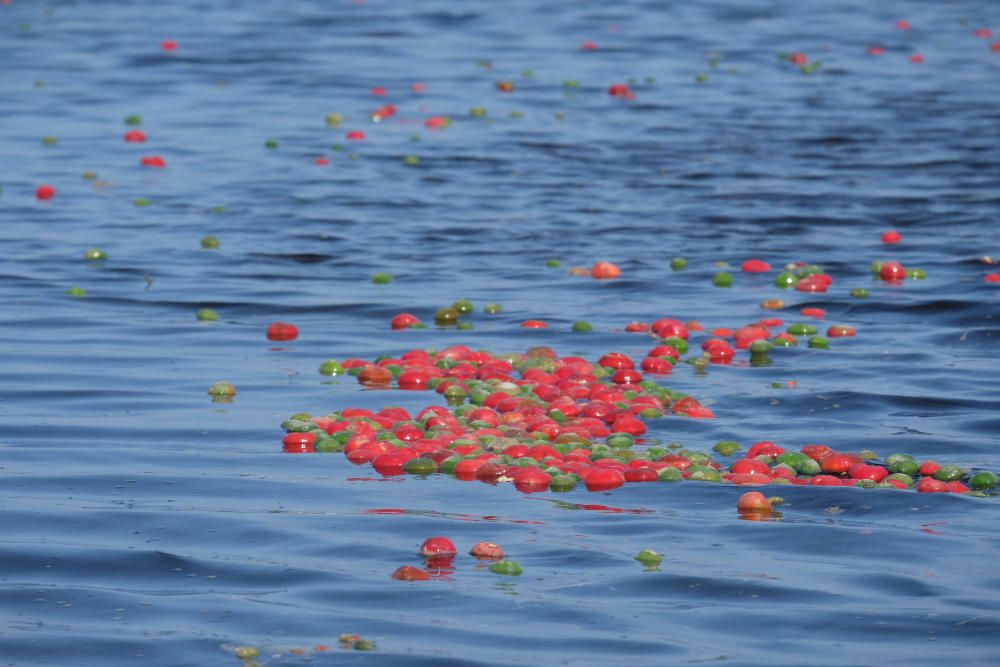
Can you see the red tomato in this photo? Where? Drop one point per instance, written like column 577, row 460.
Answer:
column 605, row 271
column 375, row 376
column 603, row 479
column 615, row 360
column 837, row 463
column 438, row 546
column 825, row 480
column 531, row 479
column 928, row 468
column 282, row 331
column 299, row 443
column 403, row 321
column 627, row 376
column 868, row 471
column 753, row 501
column 841, row 331
column 391, row 463
column 488, row 550
column 628, row 425
column 747, row 466
column 755, row 266
column 414, row 378
column 359, row 456
column 643, row 474
column 892, row 272
column 748, row 479
column 765, row 447
column 891, row 236
column 816, row 452
column 657, row 366
column 667, row 327
column 45, row 192
column 931, row 485
column 410, row 573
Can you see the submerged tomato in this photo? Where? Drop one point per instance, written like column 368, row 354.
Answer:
column 410, row 573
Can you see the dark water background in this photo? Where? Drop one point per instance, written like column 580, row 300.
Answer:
column 142, row 523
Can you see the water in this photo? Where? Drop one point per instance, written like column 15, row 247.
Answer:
column 144, row 523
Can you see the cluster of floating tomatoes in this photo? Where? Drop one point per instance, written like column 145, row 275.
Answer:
column 439, row 554
column 544, row 422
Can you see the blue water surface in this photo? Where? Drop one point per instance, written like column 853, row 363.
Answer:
column 145, row 524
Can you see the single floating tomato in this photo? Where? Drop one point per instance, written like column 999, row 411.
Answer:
column 605, row 271
column 438, row 546
column 282, row 331
column 299, row 443
column 892, row 272
column 534, row 324
column 755, row 266
column 487, row 550
column 627, row 376
column 754, row 501
column 168, row 45
column 135, row 136
column 404, row 321
column 437, row 122
column 153, row 161
column 355, row 135
column 841, row 331
column 45, row 192
column 375, row 376
column 621, row 90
